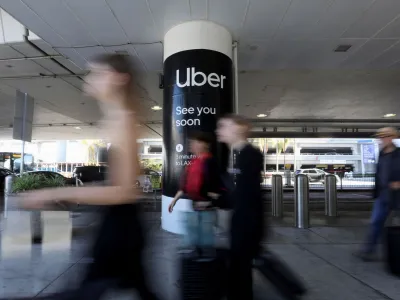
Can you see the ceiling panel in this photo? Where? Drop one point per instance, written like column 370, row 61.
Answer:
column 74, row 81
column 391, row 31
column 228, row 13
column 198, row 9
column 340, row 15
column 151, row 55
column 70, row 65
column 63, row 21
column 7, row 89
column 374, row 19
column 168, row 13
column 28, row 50
column 73, row 55
column 8, row 52
column 387, row 58
column 251, row 53
column 91, row 52
column 31, row 20
column 301, row 18
column 59, row 96
column 106, row 32
column 136, row 20
column 320, row 53
column 45, row 116
column 368, row 52
column 20, row 67
column 137, row 63
column 269, row 13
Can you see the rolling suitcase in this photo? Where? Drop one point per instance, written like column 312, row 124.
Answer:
column 203, row 277
column 393, row 249
column 280, row 275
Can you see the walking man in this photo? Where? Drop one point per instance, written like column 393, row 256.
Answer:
column 247, row 219
column 387, row 181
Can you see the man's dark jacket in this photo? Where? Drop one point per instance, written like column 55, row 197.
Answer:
column 394, row 171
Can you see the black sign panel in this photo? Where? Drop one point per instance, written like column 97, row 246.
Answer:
column 198, row 89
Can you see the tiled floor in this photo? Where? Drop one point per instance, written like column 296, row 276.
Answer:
column 321, row 255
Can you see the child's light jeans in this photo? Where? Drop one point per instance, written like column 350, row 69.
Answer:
column 199, row 228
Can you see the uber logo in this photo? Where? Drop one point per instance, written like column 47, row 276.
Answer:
column 194, row 78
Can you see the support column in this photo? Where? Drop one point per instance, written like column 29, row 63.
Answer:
column 61, row 151
column 198, row 88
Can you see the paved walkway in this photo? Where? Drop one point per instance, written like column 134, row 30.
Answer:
column 321, row 255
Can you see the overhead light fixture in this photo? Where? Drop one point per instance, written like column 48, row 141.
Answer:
column 389, row 115
column 156, row 107
column 261, row 116
column 342, row 48
column 77, row 128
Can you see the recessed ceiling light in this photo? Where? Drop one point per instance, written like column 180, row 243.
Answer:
column 77, row 128
column 156, row 107
column 261, row 116
column 389, row 115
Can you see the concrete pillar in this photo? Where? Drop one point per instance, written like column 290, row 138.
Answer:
column 61, row 155
column 198, row 88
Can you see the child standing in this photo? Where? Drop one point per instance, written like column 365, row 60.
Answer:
column 200, row 183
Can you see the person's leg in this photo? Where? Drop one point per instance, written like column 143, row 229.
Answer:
column 207, row 229
column 190, row 229
column 240, row 278
column 139, row 277
column 379, row 215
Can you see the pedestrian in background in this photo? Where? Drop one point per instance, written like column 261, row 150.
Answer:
column 387, row 181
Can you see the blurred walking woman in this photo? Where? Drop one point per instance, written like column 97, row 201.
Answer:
column 117, row 252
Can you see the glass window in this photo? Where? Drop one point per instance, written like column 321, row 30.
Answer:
column 313, row 172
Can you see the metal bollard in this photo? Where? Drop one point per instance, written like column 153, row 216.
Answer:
column 36, row 227
column 277, row 196
column 330, row 196
column 8, row 182
column 301, row 199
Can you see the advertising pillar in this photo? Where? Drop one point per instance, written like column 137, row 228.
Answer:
column 198, row 89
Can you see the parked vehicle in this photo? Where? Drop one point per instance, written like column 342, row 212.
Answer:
column 315, row 175
column 68, row 181
column 3, row 174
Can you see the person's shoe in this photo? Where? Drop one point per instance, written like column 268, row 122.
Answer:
column 365, row 256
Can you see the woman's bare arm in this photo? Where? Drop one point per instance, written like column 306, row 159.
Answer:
column 123, row 174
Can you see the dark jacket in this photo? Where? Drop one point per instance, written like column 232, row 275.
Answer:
column 247, row 225
column 394, row 170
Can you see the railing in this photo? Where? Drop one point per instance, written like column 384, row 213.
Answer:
column 65, row 169
column 349, row 182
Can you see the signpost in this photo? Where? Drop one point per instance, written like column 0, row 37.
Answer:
column 23, row 119
column 368, row 153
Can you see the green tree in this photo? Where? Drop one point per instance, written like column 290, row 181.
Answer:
column 152, row 164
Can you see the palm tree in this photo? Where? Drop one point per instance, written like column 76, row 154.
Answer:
column 93, row 147
column 281, row 145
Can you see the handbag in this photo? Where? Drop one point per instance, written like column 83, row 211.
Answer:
column 280, row 275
